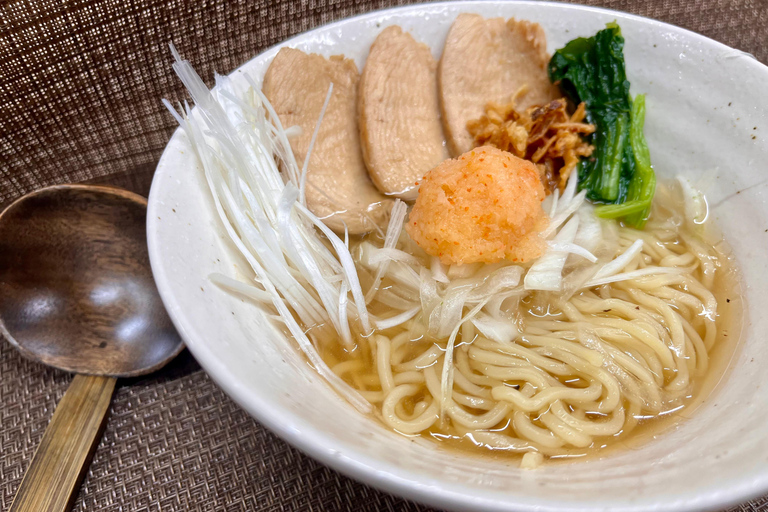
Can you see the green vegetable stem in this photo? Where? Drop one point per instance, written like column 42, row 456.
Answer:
column 618, row 175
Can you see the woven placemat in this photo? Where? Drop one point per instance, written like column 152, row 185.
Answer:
column 80, row 83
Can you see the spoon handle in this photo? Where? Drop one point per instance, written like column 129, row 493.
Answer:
column 60, row 462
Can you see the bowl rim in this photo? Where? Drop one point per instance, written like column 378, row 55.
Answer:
column 383, row 475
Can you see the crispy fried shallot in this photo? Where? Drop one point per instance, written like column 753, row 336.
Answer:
column 546, row 135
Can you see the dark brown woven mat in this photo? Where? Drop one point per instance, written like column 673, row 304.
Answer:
column 80, row 83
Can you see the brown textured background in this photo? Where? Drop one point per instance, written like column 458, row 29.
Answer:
column 80, row 83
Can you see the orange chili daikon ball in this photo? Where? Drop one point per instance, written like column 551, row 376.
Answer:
column 483, row 206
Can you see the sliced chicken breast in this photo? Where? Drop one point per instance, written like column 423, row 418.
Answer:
column 489, row 60
column 400, row 130
column 339, row 190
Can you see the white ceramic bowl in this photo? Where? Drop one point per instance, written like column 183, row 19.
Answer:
column 706, row 113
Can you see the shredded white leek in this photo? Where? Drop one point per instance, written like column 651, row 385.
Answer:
column 621, row 261
column 396, row 320
column 572, row 248
column 264, row 215
column 502, row 331
column 547, row 272
column 438, row 271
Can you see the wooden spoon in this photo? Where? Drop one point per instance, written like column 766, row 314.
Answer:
column 77, row 293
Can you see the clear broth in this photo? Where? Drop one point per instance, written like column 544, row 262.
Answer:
column 727, row 289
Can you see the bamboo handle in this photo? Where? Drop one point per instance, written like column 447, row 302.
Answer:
column 60, row 462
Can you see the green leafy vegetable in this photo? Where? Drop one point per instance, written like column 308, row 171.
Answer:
column 619, row 175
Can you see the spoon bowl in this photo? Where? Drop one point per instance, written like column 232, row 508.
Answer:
column 76, row 289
